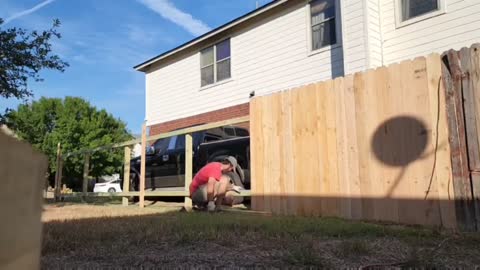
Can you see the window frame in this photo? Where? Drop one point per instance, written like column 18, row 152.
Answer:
column 398, row 14
column 215, row 63
column 338, row 29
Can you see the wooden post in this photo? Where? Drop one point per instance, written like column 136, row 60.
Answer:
column 58, row 173
column 452, row 80
column 126, row 174
column 86, row 167
column 142, row 166
column 188, row 169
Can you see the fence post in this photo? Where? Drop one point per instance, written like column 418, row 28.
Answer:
column 126, row 174
column 86, row 167
column 452, row 76
column 188, row 169
column 142, row 166
column 58, row 173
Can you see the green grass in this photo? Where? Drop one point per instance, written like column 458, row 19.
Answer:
column 269, row 241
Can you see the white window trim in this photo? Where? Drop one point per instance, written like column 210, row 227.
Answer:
column 338, row 29
column 398, row 14
column 215, row 82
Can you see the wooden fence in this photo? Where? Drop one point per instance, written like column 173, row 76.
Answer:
column 461, row 74
column 373, row 146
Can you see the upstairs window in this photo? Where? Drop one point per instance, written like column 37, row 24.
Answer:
column 415, row 8
column 411, row 11
column 323, row 23
column 215, row 63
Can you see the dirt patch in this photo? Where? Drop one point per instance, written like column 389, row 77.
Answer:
column 72, row 211
column 164, row 238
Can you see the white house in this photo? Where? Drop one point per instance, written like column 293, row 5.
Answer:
column 289, row 43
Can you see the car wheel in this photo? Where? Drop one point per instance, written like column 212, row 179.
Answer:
column 111, row 190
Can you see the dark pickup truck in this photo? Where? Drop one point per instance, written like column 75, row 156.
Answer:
column 165, row 159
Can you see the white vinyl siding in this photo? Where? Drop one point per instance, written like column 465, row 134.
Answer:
column 354, row 35
column 268, row 56
column 274, row 53
column 457, row 27
column 374, row 34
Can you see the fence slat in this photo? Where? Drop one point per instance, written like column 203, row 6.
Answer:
column 141, row 202
column 188, row 169
column 126, row 173
column 441, row 186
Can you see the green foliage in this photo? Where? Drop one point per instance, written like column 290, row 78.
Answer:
column 23, row 55
column 76, row 124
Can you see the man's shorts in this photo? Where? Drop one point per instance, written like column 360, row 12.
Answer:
column 200, row 198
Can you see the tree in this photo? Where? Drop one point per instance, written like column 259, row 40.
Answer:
column 22, row 56
column 77, row 125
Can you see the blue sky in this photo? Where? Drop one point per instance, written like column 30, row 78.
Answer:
column 103, row 39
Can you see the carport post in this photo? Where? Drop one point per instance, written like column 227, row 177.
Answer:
column 141, row 201
column 188, row 169
column 86, row 167
column 126, row 174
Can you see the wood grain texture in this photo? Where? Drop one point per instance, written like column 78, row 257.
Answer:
column 141, row 202
column 126, row 173
column 372, row 145
column 188, row 169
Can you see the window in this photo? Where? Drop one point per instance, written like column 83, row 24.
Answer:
column 242, row 132
column 211, row 138
column 322, row 15
column 215, row 63
column 411, row 11
column 414, row 8
column 229, row 131
column 180, row 142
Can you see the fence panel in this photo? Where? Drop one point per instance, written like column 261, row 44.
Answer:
column 372, row 145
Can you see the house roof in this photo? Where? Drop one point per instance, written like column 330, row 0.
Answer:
column 216, row 31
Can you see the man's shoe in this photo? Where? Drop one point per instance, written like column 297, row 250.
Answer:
column 211, row 206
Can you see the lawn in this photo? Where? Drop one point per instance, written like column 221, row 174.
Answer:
column 111, row 236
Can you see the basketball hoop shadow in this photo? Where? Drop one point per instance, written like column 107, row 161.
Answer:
column 398, row 142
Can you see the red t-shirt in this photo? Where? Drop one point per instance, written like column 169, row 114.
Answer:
column 213, row 169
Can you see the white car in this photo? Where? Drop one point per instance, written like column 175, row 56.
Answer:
column 109, row 186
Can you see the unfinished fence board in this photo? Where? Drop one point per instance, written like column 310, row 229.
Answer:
column 141, row 202
column 188, row 169
column 126, row 173
column 372, row 145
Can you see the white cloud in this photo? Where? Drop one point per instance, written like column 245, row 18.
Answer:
column 27, row 11
column 168, row 11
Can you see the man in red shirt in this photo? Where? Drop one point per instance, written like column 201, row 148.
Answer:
column 210, row 185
